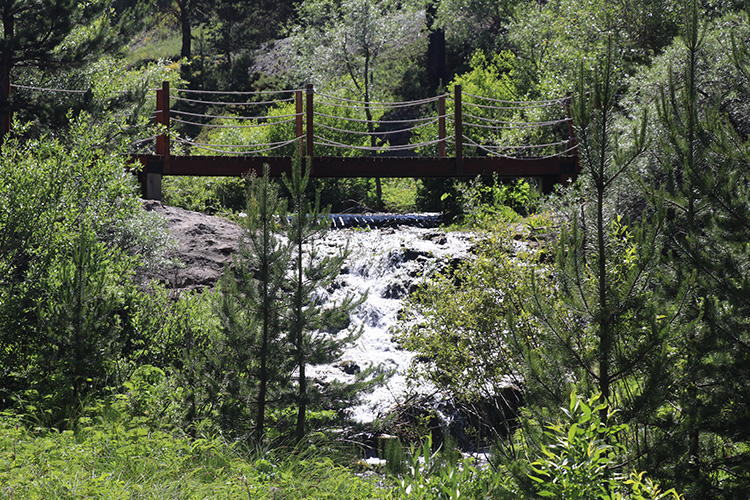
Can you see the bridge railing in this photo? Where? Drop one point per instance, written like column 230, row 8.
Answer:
column 322, row 124
column 216, row 133
column 273, row 123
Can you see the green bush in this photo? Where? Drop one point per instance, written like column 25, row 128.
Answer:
column 71, row 238
column 582, row 455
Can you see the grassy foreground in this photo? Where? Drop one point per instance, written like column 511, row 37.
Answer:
column 117, row 460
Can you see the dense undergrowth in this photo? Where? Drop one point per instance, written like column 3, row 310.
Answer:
column 111, row 454
column 114, row 457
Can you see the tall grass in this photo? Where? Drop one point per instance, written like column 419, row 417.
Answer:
column 115, row 459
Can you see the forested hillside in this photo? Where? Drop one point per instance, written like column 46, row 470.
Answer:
column 617, row 309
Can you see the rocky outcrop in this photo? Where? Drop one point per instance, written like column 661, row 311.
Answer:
column 204, row 245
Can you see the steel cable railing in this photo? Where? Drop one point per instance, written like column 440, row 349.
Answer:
column 256, row 148
column 512, row 127
column 497, row 128
column 202, row 123
column 338, row 122
column 102, row 105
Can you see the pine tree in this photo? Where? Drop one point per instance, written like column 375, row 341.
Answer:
column 705, row 166
column 602, row 327
column 33, row 33
column 314, row 329
column 251, row 308
column 81, row 332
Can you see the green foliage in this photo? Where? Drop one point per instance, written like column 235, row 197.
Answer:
column 602, row 320
column 158, row 42
column 700, row 170
column 350, row 40
column 444, row 474
column 338, row 123
column 491, row 76
column 481, row 204
column 475, row 24
column 254, row 357
column 314, row 332
column 118, row 98
column 273, row 323
column 552, row 40
column 69, row 248
column 462, row 331
column 399, row 195
column 111, row 455
column 63, row 37
column 211, row 195
column 580, row 457
column 81, row 332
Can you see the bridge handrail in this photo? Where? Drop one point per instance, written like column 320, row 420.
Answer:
column 231, row 92
column 306, row 115
column 322, row 141
column 377, row 132
column 512, row 125
column 214, row 147
column 506, row 108
column 372, row 104
column 230, row 117
column 217, row 125
column 229, row 103
column 379, row 121
column 45, row 89
column 540, row 103
column 467, row 141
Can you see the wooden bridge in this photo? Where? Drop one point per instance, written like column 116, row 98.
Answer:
column 318, row 125
column 215, row 133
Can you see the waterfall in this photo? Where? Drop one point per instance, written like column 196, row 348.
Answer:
column 386, row 264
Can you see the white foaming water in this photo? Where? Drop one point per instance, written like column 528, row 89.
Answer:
column 385, row 264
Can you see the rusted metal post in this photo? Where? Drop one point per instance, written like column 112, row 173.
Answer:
column 458, row 121
column 310, row 123
column 155, row 169
column 162, row 117
column 441, row 126
column 298, row 119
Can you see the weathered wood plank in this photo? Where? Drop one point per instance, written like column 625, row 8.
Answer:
column 366, row 166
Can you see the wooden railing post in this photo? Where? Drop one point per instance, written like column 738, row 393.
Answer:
column 162, row 117
column 298, row 120
column 441, row 126
column 459, row 128
column 155, row 169
column 310, row 123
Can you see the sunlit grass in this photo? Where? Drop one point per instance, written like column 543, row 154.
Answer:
column 399, row 194
column 160, row 42
column 114, row 460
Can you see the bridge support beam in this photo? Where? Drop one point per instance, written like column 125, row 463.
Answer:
column 152, row 180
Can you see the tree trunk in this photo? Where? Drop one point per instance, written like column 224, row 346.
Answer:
column 265, row 277
column 435, row 50
column 6, row 65
column 300, row 340
column 187, row 36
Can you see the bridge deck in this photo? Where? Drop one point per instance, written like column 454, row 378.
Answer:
column 551, row 170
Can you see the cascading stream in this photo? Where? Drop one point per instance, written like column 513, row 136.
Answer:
column 386, row 264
